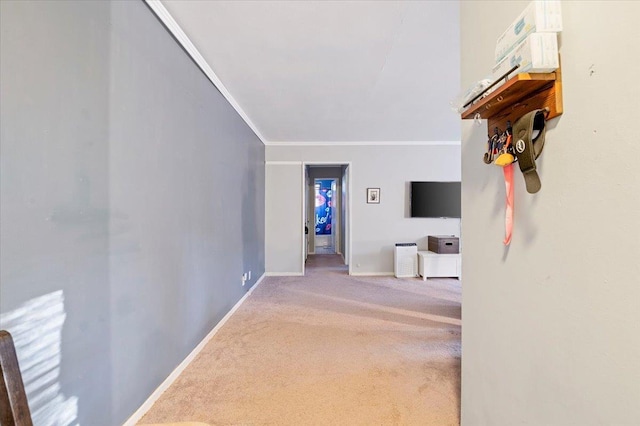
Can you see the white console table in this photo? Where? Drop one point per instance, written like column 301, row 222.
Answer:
column 432, row 264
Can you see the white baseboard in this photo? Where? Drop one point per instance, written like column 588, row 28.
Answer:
column 284, row 274
column 373, row 274
column 146, row 406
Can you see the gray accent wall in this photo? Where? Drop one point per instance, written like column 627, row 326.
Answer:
column 132, row 200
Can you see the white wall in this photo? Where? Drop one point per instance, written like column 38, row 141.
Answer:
column 552, row 324
column 284, row 229
column 376, row 227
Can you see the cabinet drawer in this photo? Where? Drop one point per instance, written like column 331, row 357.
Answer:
column 441, row 267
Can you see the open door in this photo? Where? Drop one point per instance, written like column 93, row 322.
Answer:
column 346, row 214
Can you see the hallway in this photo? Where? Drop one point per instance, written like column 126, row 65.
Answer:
column 328, row 348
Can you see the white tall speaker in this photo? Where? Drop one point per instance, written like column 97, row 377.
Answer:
column 405, row 260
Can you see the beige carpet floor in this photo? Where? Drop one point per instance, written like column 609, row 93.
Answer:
column 328, row 349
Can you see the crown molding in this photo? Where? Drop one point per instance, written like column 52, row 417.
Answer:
column 165, row 17
column 364, row 143
column 283, row 163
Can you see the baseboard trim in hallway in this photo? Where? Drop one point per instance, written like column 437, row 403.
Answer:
column 372, row 274
column 284, row 274
column 140, row 412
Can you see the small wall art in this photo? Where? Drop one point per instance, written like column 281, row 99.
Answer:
column 373, row 195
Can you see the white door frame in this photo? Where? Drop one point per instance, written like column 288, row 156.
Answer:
column 348, row 206
column 335, row 218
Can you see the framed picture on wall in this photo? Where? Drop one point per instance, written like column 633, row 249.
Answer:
column 373, row 195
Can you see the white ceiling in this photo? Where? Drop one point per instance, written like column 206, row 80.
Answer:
column 331, row 71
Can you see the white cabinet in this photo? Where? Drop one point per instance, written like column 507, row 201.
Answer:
column 432, row 264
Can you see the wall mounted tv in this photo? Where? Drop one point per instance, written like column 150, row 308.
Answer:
column 435, row 199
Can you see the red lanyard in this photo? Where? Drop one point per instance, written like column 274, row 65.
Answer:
column 508, row 215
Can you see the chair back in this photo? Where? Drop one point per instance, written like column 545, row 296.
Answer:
column 14, row 408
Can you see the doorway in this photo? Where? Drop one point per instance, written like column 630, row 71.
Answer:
column 325, row 217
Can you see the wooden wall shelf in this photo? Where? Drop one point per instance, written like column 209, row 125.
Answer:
column 519, row 95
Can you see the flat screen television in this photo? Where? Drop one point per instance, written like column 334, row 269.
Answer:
column 435, row 199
